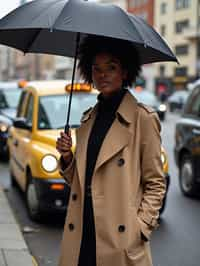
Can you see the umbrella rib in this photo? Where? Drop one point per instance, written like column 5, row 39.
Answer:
column 35, row 35
column 41, row 11
column 125, row 13
column 59, row 15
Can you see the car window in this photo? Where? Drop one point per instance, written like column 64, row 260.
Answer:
column 9, row 98
column 53, row 109
column 193, row 104
column 29, row 111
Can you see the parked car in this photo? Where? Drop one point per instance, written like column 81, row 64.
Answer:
column 177, row 100
column 41, row 115
column 148, row 98
column 187, row 145
column 9, row 97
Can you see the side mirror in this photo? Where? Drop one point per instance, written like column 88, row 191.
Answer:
column 21, row 123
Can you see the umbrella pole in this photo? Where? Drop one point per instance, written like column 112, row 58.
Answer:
column 72, row 83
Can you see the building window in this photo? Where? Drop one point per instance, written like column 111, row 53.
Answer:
column 181, row 25
column 180, row 4
column 163, row 8
column 162, row 71
column 163, row 30
column 180, row 71
column 181, row 49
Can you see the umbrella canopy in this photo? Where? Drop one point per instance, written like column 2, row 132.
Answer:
column 57, row 27
column 51, row 26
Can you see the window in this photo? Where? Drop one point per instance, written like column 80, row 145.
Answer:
column 181, row 49
column 163, row 30
column 180, row 4
column 193, row 104
column 163, row 8
column 180, row 71
column 162, row 71
column 181, row 25
column 29, row 111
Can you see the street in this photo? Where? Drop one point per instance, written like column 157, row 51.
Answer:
column 175, row 243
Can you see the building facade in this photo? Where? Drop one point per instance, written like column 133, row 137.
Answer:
column 144, row 9
column 178, row 22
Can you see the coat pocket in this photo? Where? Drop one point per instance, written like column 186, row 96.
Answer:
column 138, row 257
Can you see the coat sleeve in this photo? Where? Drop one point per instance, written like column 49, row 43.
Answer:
column 153, row 181
column 67, row 172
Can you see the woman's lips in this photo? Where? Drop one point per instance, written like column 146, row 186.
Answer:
column 103, row 84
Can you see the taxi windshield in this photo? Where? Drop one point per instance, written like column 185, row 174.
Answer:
column 53, row 109
column 9, row 98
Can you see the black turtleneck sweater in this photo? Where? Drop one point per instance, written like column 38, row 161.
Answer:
column 106, row 111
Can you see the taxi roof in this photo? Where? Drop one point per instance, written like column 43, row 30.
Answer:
column 50, row 87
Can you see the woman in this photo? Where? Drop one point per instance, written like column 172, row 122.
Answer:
column 116, row 177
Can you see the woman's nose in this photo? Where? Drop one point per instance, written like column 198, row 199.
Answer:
column 102, row 74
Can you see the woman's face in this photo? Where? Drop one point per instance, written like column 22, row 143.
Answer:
column 107, row 74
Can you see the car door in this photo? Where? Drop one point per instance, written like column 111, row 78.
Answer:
column 22, row 139
column 191, row 127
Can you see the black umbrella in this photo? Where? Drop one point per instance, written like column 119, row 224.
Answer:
column 57, row 27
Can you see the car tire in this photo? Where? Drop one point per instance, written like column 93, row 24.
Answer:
column 186, row 177
column 13, row 181
column 32, row 201
column 165, row 197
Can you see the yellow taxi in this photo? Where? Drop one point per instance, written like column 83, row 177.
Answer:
column 41, row 115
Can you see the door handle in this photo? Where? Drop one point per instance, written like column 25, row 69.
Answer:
column 196, row 131
column 15, row 142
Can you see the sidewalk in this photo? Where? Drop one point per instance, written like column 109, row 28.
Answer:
column 13, row 249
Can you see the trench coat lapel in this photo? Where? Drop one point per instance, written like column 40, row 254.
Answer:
column 116, row 139
column 118, row 135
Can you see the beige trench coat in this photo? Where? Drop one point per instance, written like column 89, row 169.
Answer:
column 127, row 188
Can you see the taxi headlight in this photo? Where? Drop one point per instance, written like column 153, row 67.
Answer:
column 162, row 108
column 163, row 158
column 3, row 127
column 49, row 163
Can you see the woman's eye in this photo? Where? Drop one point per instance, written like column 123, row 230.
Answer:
column 112, row 67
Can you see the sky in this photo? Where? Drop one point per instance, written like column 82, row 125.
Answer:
column 8, row 5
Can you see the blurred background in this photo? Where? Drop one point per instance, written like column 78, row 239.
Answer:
column 172, row 89
column 176, row 21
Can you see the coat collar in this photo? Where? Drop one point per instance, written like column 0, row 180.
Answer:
column 128, row 102
column 116, row 139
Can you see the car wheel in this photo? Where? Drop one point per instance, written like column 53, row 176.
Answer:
column 32, row 201
column 165, row 197
column 187, row 179
column 13, row 180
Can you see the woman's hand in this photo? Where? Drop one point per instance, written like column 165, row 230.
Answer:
column 63, row 146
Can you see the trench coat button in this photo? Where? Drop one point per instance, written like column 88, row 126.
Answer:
column 120, row 162
column 121, row 228
column 71, row 227
column 74, row 196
